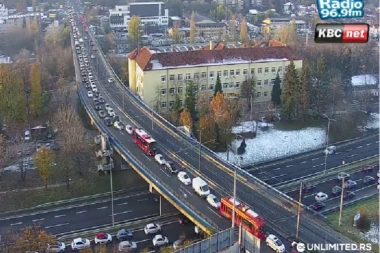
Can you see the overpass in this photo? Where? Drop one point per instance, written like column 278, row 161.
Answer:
column 278, row 209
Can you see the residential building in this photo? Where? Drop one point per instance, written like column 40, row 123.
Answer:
column 150, row 13
column 365, row 83
column 205, row 27
column 272, row 24
column 288, row 8
column 158, row 77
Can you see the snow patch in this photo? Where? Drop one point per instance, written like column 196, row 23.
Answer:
column 364, row 80
column 372, row 235
column 373, row 121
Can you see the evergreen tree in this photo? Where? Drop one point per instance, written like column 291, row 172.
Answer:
column 218, row 86
column 241, row 149
column 174, row 111
column 190, row 99
column 305, row 89
column 248, row 89
column 276, row 91
column 290, row 94
column 321, row 87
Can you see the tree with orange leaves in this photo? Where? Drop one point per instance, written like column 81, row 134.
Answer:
column 185, row 118
column 32, row 238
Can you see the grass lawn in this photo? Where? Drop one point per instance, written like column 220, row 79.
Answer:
column 370, row 207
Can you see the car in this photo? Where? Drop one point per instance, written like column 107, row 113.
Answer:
column 213, row 201
column 128, row 129
column 101, row 113
column 152, row 228
column 108, row 121
column 116, row 118
column 160, row 240
column 329, row 150
column 368, row 180
column 336, row 190
column 101, row 99
column 80, row 243
column 349, row 184
column 367, row 168
column 343, row 175
column 95, row 49
column 159, row 159
column 318, row 206
column 90, row 94
column 184, row 178
column 56, row 247
column 96, row 101
column 274, row 243
column 103, row 238
column 127, row 246
column 111, row 112
column 307, row 187
column 348, row 195
column 27, row 135
column 94, row 88
column 110, row 80
column 92, row 56
column 178, row 244
column 97, row 94
column 98, row 107
column 321, row 196
column 171, row 167
column 107, row 106
column 83, row 73
column 183, row 220
column 118, row 125
column 124, row 234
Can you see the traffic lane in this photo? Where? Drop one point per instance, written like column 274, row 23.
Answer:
column 326, row 186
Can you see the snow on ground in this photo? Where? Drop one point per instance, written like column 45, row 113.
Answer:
column 372, row 235
column 28, row 164
column 373, row 121
column 272, row 143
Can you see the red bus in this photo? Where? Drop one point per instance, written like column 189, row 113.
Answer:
column 244, row 216
column 144, row 141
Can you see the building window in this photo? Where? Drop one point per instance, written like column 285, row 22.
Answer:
column 163, row 78
column 180, row 103
column 280, row 69
column 195, row 89
column 237, row 84
column 245, row 72
column 171, row 103
column 211, row 74
column 219, row 73
column 258, row 82
column 231, row 84
column 179, row 90
column 163, row 104
column 225, row 72
column 265, row 93
column 204, row 75
column 252, row 71
column 258, row 94
column 171, row 77
column 266, row 82
column 211, row 86
column 232, row 72
column 203, row 87
column 286, row 69
column 259, row 70
column 237, row 72
column 180, row 77
column 196, row 75
column 225, row 85
column 273, row 69
column 266, row 70
column 163, row 92
column 272, row 81
column 188, row 76
column 172, row 91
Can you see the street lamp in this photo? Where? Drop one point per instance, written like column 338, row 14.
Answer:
column 327, row 140
column 200, row 146
column 155, row 100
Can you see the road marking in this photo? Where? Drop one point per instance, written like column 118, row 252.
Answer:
column 38, row 219
column 315, row 159
column 360, row 147
column 58, row 225
column 337, row 153
column 277, row 169
column 349, row 149
column 352, row 155
column 62, row 215
column 318, row 165
column 145, row 240
column 377, row 142
column 129, row 211
column 282, row 175
column 84, row 211
column 308, row 196
column 214, row 212
column 121, row 204
column 142, row 200
column 303, row 162
column 369, row 144
column 15, row 224
column 262, row 172
column 290, row 165
column 358, row 180
column 103, row 207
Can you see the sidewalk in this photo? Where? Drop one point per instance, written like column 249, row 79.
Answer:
column 34, row 188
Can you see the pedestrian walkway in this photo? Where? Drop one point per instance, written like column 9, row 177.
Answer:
column 34, row 188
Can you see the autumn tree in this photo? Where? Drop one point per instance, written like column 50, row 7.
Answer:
column 185, row 119
column 3, row 153
column 190, row 99
column 248, row 89
column 305, row 89
column 44, row 160
column 125, row 74
column 145, row 250
column 36, row 89
column 134, row 33
column 203, row 104
column 233, row 27
column 31, row 238
column 289, row 94
column 176, row 34
column 207, row 131
column 243, row 31
column 288, row 34
column 276, row 91
column 193, row 28
column 218, row 85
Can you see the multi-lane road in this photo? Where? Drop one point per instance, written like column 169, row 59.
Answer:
column 301, row 167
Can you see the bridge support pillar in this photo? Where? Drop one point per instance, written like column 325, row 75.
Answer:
column 92, row 122
column 150, row 188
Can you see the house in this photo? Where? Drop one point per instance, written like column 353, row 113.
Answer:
column 365, row 83
column 288, row 8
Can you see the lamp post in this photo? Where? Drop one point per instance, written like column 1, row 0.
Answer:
column 155, row 100
column 200, row 148
column 112, row 210
column 327, row 140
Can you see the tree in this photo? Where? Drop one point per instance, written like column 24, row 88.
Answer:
column 193, row 28
column 305, row 89
column 185, row 118
column 125, row 75
column 288, row 34
column 36, row 89
column 321, row 87
column 176, row 34
column 233, row 28
column 32, row 238
column 276, row 91
column 243, row 31
column 3, row 153
column 18, row 112
column 190, row 99
column 203, row 104
column 289, row 94
column 134, row 33
column 146, row 250
column 218, row 86
column 248, row 89
column 207, row 126
column 174, row 111
column 44, row 160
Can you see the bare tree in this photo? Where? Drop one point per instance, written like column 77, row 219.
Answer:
column 3, row 153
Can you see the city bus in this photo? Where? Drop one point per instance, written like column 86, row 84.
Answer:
column 144, row 141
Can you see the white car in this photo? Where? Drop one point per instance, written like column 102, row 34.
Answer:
column 184, row 178
column 128, row 129
column 321, row 196
column 160, row 240
column 342, row 175
column 80, row 243
column 107, row 106
column 152, row 228
column 110, row 80
column 92, row 56
column 117, row 125
column 56, row 247
column 111, row 112
column 160, row 159
column 127, row 246
column 213, row 201
column 274, row 243
column 103, row 238
column 90, row 94
column 330, row 150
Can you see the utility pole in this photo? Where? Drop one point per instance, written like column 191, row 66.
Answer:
column 160, row 205
column 327, row 141
column 200, row 149
column 250, row 114
column 233, row 209
column 111, row 183
column 299, row 211
column 341, row 202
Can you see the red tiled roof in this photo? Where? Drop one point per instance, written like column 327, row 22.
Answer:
column 142, row 56
column 276, row 43
column 217, row 46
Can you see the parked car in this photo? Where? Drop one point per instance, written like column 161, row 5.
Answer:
column 101, row 99
column 321, row 196
column 276, row 244
column 368, row 180
column 80, row 243
column 152, row 228
column 318, row 206
column 336, row 190
column 124, row 234
column 171, row 167
column 184, row 178
column 160, row 240
column 57, row 247
column 178, row 244
column 342, row 175
column 349, row 184
column 348, row 195
column 103, row 238
column 127, row 246
column 90, row 94
column 213, row 201
column 159, row 159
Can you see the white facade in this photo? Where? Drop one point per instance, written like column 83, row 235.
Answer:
column 3, row 11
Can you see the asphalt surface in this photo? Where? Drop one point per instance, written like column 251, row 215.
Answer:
column 279, row 214
column 298, row 168
column 80, row 217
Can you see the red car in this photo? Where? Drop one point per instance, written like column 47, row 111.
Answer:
column 367, row 168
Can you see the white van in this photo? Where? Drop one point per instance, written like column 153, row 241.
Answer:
column 27, row 135
column 330, row 150
column 200, row 187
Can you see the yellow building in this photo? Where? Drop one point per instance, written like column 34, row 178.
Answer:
column 157, row 77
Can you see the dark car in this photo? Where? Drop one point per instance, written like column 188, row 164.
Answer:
column 336, row 190
column 170, row 166
column 368, row 168
column 108, row 121
column 116, row 118
column 183, row 220
column 84, row 73
column 101, row 99
column 307, row 187
column 368, row 180
column 124, row 234
column 98, row 108
column 97, row 94
column 348, row 195
column 88, row 86
column 96, row 101
column 318, row 206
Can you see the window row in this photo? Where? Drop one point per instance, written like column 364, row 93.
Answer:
column 179, row 90
column 265, row 82
column 262, row 94
column 171, row 104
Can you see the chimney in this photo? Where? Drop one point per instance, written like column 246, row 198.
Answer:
column 211, row 45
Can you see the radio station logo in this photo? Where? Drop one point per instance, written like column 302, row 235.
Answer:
column 340, row 8
column 341, row 33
